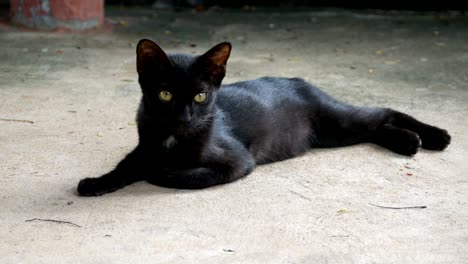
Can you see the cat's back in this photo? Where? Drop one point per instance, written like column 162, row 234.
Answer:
column 271, row 116
column 266, row 89
column 270, row 93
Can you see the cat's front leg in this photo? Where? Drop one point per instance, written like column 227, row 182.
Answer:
column 128, row 171
column 197, row 178
column 209, row 174
column 224, row 160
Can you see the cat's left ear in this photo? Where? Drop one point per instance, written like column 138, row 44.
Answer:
column 213, row 62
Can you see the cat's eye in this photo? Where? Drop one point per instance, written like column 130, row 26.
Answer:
column 165, row 96
column 200, row 98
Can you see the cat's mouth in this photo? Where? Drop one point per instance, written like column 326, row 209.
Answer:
column 182, row 129
column 192, row 127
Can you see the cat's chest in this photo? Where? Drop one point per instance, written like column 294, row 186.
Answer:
column 173, row 150
column 169, row 143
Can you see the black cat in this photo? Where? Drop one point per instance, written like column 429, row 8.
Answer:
column 195, row 133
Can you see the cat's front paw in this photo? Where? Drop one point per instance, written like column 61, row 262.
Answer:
column 435, row 139
column 92, row 187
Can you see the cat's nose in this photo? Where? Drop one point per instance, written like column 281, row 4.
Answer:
column 184, row 119
column 185, row 116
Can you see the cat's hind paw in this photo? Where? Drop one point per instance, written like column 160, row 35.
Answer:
column 435, row 139
column 408, row 144
column 401, row 141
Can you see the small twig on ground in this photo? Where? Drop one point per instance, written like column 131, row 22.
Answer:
column 16, row 120
column 402, row 207
column 53, row 221
column 300, row 195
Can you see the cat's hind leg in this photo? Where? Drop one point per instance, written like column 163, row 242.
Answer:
column 342, row 125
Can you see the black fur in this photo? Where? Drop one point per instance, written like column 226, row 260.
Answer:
column 184, row 144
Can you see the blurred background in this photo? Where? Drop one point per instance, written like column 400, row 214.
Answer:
column 409, row 5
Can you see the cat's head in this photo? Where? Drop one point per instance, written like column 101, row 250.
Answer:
column 179, row 90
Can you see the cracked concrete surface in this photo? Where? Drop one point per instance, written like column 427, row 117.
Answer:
column 80, row 92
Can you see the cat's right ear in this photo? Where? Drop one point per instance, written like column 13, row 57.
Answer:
column 152, row 61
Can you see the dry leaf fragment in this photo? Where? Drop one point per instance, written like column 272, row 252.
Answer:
column 343, row 211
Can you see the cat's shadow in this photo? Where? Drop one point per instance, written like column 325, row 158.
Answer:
column 145, row 189
column 142, row 188
column 381, row 150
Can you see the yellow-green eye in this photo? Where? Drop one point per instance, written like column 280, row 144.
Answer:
column 165, row 96
column 200, row 98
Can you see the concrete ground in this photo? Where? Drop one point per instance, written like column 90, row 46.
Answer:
column 77, row 94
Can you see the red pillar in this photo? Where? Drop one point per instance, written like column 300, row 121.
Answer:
column 55, row 14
